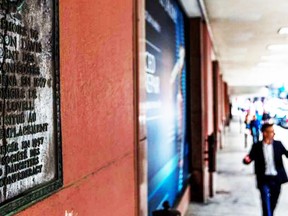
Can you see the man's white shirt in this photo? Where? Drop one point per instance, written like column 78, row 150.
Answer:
column 268, row 151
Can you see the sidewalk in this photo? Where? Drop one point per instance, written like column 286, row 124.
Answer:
column 235, row 186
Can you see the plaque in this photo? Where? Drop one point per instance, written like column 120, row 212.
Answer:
column 30, row 135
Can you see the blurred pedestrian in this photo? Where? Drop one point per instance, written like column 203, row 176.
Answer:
column 266, row 117
column 255, row 128
column 269, row 169
column 247, row 128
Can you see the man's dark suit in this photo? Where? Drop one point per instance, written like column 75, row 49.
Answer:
column 270, row 183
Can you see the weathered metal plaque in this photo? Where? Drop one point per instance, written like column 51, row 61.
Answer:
column 30, row 138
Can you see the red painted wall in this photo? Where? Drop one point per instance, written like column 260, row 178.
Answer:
column 210, row 86
column 208, row 80
column 208, row 99
column 96, row 66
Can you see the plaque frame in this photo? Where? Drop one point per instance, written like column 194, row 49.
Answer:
column 37, row 193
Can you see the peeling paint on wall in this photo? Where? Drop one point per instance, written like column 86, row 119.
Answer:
column 70, row 213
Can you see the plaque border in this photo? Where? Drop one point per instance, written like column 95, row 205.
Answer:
column 38, row 193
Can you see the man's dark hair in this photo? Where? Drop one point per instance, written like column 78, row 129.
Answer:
column 265, row 126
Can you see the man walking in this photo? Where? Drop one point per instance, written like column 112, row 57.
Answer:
column 269, row 169
column 254, row 127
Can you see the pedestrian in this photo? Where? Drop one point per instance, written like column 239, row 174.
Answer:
column 269, row 169
column 266, row 117
column 255, row 127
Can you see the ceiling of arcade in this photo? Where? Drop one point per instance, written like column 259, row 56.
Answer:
column 248, row 40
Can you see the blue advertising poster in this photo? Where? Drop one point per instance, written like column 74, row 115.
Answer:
column 165, row 102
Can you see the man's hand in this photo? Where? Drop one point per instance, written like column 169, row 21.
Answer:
column 247, row 160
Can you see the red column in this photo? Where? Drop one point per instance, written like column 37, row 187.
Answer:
column 200, row 110
column 196, row 104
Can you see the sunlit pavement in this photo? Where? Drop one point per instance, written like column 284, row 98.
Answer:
column 235, row 186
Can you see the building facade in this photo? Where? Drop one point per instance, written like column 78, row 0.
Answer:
column 140, row 93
